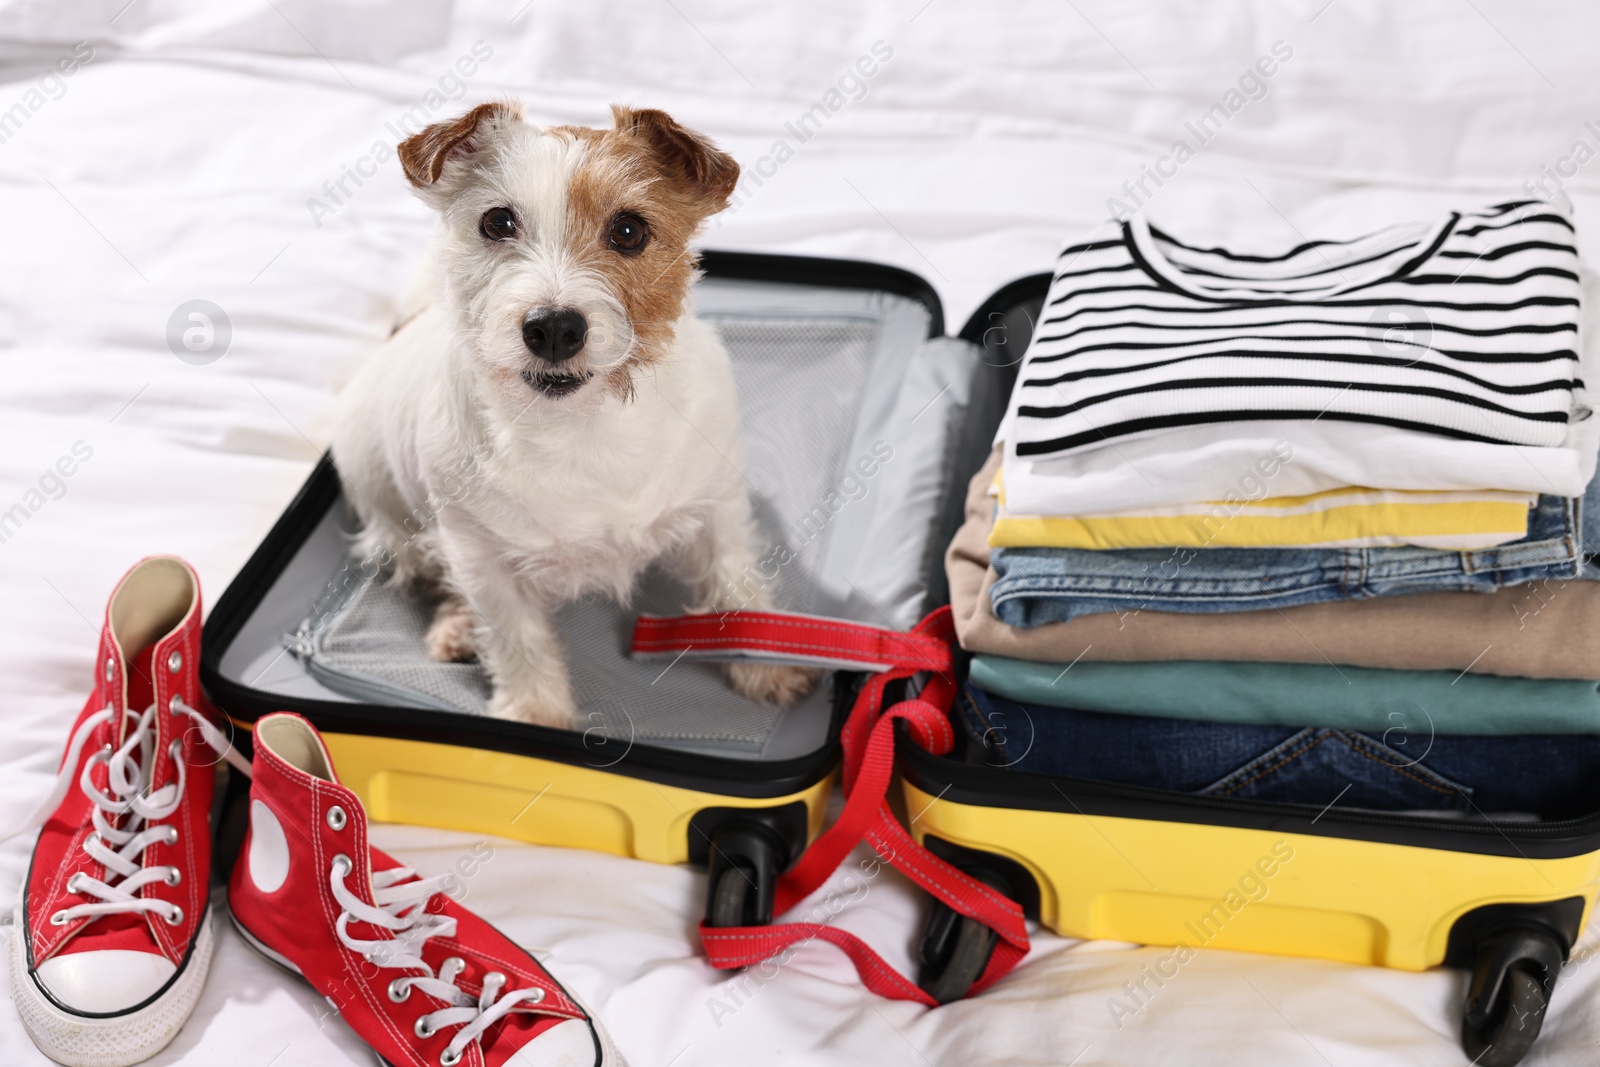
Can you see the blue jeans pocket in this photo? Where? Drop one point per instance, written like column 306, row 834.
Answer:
column 1550, row 776
column 1341, row 765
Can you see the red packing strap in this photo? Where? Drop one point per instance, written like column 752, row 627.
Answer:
column 798, row 637
column 867, row 740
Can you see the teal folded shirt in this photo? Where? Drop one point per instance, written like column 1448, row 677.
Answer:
column 1295, row 694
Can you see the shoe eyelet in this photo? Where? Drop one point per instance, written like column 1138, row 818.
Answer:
column 341, row 860
column 336, row 818
column 111, row 670
column 174, row 876
column 175, row 750
column 449, row 1059
column 58, row 919
column 175, row 661
column 399, row 993
column 72, row 883
column 175, row 917
column 172, row 834
column 423, row 1029
column 538, row 995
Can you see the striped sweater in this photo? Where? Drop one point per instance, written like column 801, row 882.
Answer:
column 1466, row 328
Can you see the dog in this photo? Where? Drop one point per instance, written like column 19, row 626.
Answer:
column 550, row 418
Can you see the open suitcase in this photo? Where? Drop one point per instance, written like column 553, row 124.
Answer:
column 860, row 421
column 1093, row 860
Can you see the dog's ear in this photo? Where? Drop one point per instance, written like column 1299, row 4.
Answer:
column 706, row 171
column 424, row 155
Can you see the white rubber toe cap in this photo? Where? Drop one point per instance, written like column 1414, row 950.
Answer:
column 568, row 1044
column 105, row 981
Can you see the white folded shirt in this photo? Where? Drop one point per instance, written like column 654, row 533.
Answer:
column 1208, row 462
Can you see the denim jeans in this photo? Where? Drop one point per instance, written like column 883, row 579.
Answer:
column 1551, row 776
column 1034, row 586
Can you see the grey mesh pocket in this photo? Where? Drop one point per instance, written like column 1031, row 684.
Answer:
column 365, row 639
column 800, row 384
column 367, row 642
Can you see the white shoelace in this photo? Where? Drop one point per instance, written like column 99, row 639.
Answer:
column 120, row 848
column 402, row 908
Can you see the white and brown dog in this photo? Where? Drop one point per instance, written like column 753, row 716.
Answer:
column 552, row 418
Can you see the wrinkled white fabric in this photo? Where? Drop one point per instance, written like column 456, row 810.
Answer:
column 178, row 165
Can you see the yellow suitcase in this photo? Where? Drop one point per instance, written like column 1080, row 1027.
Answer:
column 1094, row 860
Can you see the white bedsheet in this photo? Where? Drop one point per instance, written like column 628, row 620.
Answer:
column 178, row 163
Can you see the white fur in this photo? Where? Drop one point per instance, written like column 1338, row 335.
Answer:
column 512, row 501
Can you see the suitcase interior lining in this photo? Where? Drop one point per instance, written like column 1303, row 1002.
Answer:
column 830, row 381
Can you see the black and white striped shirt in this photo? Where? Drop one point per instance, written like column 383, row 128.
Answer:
column 1465, row 328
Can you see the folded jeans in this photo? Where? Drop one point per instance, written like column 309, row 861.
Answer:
column 1547, row 776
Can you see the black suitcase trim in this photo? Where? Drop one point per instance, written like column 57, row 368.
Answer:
column 827, row 273
column 1009, row 297
column 992, row 787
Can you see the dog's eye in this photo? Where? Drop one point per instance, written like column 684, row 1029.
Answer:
column 628, row 233
column 498, row 224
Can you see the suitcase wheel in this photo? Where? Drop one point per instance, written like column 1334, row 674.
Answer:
column 955, row 949
column 1512, row 980
column 742, row 874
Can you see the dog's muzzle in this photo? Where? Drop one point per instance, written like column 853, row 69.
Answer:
column 555, row 334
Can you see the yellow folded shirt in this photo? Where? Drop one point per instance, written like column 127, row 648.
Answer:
column 1352, row 517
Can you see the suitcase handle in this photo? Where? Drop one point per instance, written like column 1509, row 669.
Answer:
column 867, row 740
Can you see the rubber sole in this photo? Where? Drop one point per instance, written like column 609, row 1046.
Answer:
column 115, row 1040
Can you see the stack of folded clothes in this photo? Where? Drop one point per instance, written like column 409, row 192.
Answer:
column 1285, row 527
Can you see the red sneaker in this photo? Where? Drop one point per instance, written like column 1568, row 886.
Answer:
column 114, row 928
column 418, row 977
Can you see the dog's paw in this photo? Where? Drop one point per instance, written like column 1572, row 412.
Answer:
column 450, row 638
column 772, row 683
column 554, row 712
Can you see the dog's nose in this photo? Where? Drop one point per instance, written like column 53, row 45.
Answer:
column 555, row 334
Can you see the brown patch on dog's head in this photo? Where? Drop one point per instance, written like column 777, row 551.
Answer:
column 670, row 179
column 423, row 155
column 539, row 223
column 704, row 172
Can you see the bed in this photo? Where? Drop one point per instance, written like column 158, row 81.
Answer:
column 155, row 153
